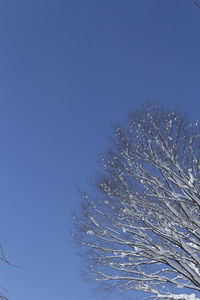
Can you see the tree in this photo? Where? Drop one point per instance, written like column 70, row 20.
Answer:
column 141, row 228
column 4, row 259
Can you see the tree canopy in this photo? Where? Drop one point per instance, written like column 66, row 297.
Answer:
column 140, row 227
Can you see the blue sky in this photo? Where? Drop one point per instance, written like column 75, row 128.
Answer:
column 68, row 69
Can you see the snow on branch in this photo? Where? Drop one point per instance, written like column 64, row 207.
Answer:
column 141, row 230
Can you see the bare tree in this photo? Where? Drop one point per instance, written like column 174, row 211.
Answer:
column 141, row 228
column 4, row 259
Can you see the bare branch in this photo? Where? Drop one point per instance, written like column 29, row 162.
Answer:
column 195, row 2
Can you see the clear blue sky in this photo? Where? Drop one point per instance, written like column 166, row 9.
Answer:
column 68, row 69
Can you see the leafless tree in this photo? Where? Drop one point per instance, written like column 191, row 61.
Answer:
column 141, row 228
column 4, row 259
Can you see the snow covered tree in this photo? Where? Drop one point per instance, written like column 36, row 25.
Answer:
column 140, row 230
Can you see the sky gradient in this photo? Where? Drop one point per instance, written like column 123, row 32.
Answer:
column 68, row 70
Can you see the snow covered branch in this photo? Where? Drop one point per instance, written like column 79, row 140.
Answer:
column 141, row 230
